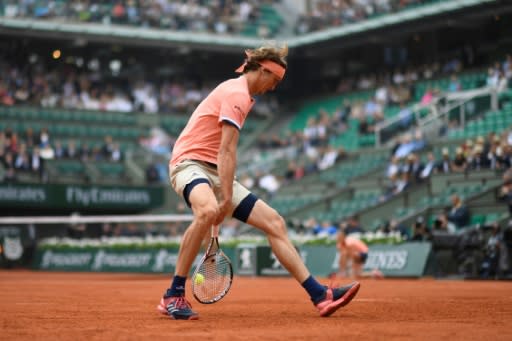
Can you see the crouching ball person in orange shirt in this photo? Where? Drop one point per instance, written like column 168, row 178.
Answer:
column 354, row 251
column 202, row 172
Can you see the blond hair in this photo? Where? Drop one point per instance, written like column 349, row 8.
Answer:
column 270, row 52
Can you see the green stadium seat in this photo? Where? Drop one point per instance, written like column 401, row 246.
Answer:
column 477, row 219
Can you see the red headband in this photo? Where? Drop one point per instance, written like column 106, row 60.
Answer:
column 271, row 66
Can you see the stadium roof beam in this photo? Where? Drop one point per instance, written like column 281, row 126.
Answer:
column 387, row 20
column 205, row 41
column 122, row 35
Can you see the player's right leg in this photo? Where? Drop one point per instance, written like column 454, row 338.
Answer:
column 204, row 207
column 192, row 183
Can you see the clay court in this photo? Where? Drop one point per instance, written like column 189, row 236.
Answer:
column 93, row 306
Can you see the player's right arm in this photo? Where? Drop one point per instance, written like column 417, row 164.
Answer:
column 226, row 164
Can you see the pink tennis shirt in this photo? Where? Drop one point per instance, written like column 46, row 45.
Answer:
column 200, row 139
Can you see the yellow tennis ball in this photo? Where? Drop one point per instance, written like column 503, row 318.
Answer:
column 199, row 279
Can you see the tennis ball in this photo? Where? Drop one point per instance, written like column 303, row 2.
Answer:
column 199, row 279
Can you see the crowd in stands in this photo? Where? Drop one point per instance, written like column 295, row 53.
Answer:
column 413, row 161
column 397, row 88
column 387, row 89
column 328, row 14
column 219, row 17
column 493, row 152
column 28, row 152
column 327, row 228
column 16, row 156
column 77, row 87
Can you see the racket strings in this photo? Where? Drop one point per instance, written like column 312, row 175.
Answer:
column 216, row 270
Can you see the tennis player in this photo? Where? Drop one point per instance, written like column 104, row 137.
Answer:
column 354, row 251
column 202, row 171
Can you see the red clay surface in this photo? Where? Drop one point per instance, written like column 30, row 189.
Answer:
column 92, row 306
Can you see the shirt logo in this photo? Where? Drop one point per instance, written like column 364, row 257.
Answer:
column 239, row 109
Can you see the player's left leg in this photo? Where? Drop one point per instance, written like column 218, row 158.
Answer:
column 327, row 300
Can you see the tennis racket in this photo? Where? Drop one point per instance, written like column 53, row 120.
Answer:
column 213, row 275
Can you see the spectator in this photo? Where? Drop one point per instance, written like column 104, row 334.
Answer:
column 454, row 84
column 86, row 152
column 76, row 230
column 294, row 171
column 479, row 160
column 30, row 139
column 427, row 97
column 394, row 226
column 406, row 116
column 401, row 183
column 352, row 225
column 269, row 183
column 152, row 175
column 22, row 160
column 58, row 150
column 410, row 143
column 444, row 166
column 393, row 168
column 328, row 158
column 10, row 168
column 429, row 166
column 247, row 180
column 229, row 228
column 459, row 213
column 505, row 157
column 44, row 137
column 116, row 153
column 413, row 168
column 37, row 163
column 325, row 229
column 107, row 147
column 493, row 249
column 442, row 224
column 421, row 232
column 459, row 164
column 70, row 151
column 505, row 194
column 492, row 77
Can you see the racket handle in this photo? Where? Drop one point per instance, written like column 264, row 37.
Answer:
column 215, row 231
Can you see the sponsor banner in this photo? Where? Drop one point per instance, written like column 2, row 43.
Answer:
column 268, row 264
column 258, row 260
column 400, row 260
column 13, row 250
column 112, row 260
column 157, row 260
column 11, row 245
column 245, row 260
column 403, row 260
column 75, row 196
column 320, row 260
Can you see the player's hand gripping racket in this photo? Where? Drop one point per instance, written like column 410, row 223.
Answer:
column 213, row 275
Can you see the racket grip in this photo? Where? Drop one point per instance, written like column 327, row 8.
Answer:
column 215, row 231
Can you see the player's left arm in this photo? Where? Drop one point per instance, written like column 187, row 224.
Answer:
column 226, row 165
